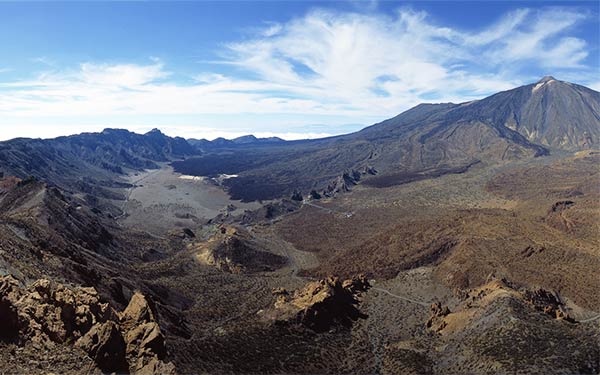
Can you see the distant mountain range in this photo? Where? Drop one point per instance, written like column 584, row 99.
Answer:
column 244, row 140
column 528, row 121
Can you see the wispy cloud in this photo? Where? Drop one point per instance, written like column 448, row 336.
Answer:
column 357, row 65
column 43, row 60
column 538, row 37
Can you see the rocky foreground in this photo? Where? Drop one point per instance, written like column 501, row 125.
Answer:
column 47, row 320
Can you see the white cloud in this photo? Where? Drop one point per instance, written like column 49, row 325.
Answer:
column 535, row 38
column 500, row 30
column 356, row 65
column 595, row 85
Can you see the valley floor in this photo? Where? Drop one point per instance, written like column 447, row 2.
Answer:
column 491, row 271
column 431, row 241
column 162, row 199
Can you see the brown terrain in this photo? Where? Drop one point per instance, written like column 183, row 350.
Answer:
column 484, row 263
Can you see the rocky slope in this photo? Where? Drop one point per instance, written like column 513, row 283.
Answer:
column 89, row 162
column 501, row 329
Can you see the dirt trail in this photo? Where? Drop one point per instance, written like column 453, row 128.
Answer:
column 401, row 297
column 297, row 259
column 328, row 210
column 590, row 319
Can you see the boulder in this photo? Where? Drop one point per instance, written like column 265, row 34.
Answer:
column 137, row 312
column 106, row 346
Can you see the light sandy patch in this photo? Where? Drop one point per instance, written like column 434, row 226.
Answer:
column 162, row 200
column 193, row 178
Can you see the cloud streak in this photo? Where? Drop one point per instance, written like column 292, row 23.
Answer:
column 361, row 66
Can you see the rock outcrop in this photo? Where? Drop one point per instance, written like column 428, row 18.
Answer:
column 436, row 320
column 145, row 343
column 495, row 293
column 297, row 196
column 321, row 305
column 342, row 184
column 234, row 250
column 548, row 302
column 47, row 314
column 347, row 180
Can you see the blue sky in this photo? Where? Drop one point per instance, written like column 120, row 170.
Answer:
column 285, row 68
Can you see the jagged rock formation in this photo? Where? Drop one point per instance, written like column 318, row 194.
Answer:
column 47, row 314
column 321, row 305
column 436, row 320
column 347, row 180
column 342, row 183
column 549, row 302
column 146, row 348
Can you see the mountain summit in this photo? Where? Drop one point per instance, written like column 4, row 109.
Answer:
column 546, row 79
column 552, row 113
column 528, row 121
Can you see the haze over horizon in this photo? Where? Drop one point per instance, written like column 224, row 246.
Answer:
column 292, row 70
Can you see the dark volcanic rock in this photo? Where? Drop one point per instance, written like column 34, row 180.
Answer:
column 562, row 205
column 297, row 196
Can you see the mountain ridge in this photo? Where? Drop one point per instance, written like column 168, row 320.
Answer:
column 509, row 125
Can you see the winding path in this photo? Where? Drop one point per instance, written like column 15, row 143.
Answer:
column 328, row 210
column 401, row 297
column 590, row 319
